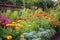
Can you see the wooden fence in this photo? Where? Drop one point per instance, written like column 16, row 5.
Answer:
column 4, row 7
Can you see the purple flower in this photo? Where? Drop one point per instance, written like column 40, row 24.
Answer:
column 7, row 22
column 4, row 20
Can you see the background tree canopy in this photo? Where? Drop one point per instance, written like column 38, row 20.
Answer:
column 20, row 2
column 30, row 3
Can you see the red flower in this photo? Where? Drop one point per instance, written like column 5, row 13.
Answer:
column 39, row 15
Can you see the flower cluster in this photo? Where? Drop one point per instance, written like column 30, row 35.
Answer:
column 31, row 25
column 4, row 20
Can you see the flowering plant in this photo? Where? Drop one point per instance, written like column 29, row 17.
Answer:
column 30, row 25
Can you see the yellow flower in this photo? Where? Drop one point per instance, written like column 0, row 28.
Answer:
column 13, row 25
column 19, row 21
column 21, row 26
column 16, row 28
column 13, row 22
column 9, row 37
column 21, row 36
column 10, row 25
column 34, row 22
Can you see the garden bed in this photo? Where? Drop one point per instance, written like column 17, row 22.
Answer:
column 30, row 25
column 35, row 20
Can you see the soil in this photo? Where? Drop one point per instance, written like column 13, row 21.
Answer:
column 56, row 37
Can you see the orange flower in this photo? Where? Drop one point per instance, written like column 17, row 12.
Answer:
column 45, row 14
column 39, row 15
column 21, row 36
column 9, row 37
column 39, row 9
column 52, row 17
column 46, row 17
column 8, row 25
